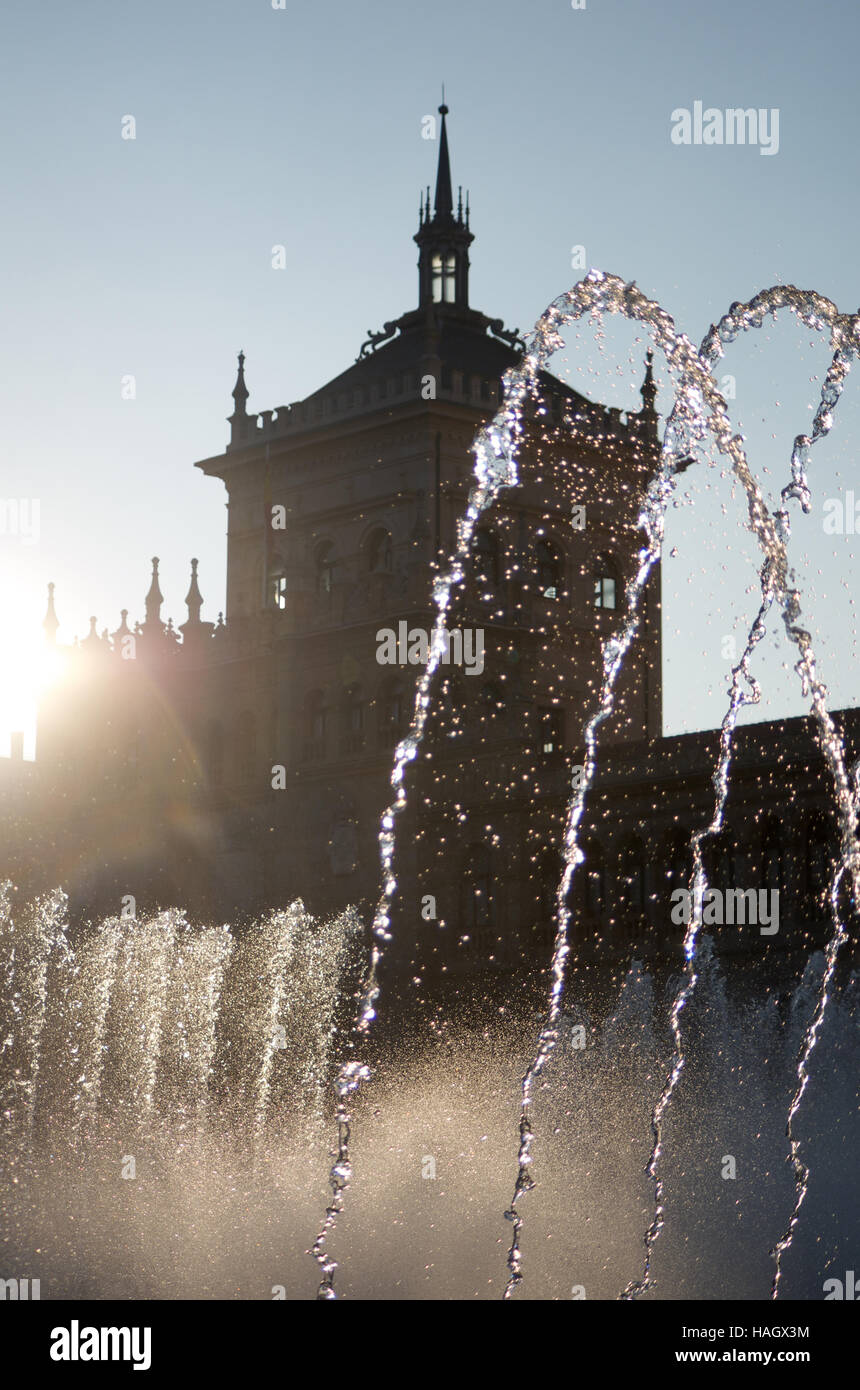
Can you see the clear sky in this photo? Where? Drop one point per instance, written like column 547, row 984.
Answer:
column 151, row 258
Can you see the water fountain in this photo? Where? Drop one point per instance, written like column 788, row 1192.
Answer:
column 199, row 1058
column 495, row 469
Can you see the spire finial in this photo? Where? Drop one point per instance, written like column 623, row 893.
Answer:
column 193, row 630
column 240, row 390
column 444, row 205
column 154, row 598
column 194, row 598
column 50, row 623
column 122, row 631
column 648, row 389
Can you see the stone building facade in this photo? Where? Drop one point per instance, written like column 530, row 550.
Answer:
column 234, row 765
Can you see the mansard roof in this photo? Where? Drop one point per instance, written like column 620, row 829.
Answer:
column 461, row 340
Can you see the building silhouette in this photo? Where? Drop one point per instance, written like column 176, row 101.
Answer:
column 233, row 765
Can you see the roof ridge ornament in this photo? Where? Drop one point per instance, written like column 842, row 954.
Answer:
column 373, row 340
column 511, row 336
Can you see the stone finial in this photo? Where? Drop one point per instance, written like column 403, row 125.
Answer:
column 240, row 390
column 154, row 598
column 50, row 623
column 194, row 598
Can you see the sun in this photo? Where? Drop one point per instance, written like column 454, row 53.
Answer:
column 30, row 668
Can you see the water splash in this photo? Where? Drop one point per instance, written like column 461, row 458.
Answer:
column 698, row 887
column 28, row 940
column 696, row 390
column 747, row 316
column 699, row 410
column 156, row 1029
column 495, row 468
column 799, row 1167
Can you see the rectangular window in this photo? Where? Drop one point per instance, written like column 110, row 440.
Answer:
column 551, row 721
column 444, row 279
column 604, row 592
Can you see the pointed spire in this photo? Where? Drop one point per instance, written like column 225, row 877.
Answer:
column 194, row 598
column 648, row 389
column 122, row 631
column 193, row 630
column 444, row 204
column 154, row 598
column 444, row 239
column 240, row 390
column 240, row 421
column 50, row 623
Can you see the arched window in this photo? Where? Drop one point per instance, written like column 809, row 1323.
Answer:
column 548, row 570
column 215, row 754
column 677, row 859
column 278, row 589
column 605, row 583
column 444, row 279
column 549, row 869
column 246, row 746
column 476, row 896
column 353, row 720
column 486, row 552
column 392, row 712
column 633, row 876
column 819, row 865
column 324, row 567
column 773, row 858
column 316, row 725
column 379, row 554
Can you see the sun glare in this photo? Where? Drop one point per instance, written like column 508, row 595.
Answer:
column 29, row 669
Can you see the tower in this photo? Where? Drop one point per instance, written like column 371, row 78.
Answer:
column 340, row 507
column 443, row 239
